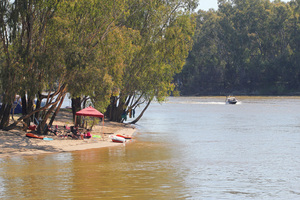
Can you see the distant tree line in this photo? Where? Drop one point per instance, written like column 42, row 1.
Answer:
column 115, row 54
column 245, row 47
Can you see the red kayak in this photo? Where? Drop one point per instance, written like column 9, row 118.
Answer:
column 124, row 136
column 31, row 135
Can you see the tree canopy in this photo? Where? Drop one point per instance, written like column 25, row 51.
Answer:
column 245, row 47
column 116, row 54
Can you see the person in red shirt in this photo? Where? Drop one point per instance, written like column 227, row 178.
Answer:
column 87, row 134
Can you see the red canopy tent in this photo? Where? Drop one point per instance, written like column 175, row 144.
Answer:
column 91, row 112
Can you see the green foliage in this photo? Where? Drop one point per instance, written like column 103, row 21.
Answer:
column 93, row 49
column 166, row 30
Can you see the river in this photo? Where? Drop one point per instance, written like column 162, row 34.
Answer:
column 186, row 148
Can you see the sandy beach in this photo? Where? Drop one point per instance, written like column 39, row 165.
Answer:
column 15, row 142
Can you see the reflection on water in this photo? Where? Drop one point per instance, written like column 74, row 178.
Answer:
column 132, row 171
column 188, row 148
column 36, row 177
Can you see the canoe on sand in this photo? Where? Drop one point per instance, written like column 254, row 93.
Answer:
column 118, row 139
column 31, row 135
column 124, row 136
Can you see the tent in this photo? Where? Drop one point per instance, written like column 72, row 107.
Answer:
column 91, row 112
column 16, row 108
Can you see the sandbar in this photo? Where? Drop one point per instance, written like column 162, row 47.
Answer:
column 15, row 142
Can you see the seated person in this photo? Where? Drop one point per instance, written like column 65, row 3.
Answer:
column 51, row 130
column 87, row 134
column 67, row 128
column 75, row 133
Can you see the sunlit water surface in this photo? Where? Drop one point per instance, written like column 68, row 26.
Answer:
column 187, row 148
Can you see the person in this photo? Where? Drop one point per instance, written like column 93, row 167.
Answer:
column 87, row 134
column 124, row 115
column 55, row 131
column 81, row 136
column 75, row 132
column 51, row 130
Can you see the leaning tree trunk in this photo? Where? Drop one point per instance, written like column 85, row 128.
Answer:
column 54, row 106
column 12, row 126
column 57, row 110
column 42, row 127
column 142, row 113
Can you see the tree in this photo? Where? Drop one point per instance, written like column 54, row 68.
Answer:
column 165, row 38
column 203, row 70
column 247, row 47
column 23, row 28
column 96, row 49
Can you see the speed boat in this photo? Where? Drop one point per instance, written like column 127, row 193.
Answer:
column 231, row 100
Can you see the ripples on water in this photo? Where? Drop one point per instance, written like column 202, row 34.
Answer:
column 187, row 148
column 244, row 151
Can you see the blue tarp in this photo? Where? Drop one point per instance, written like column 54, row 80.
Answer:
column 18, row 109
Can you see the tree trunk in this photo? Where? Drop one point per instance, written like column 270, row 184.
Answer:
column 56, row 111
column 117, row 112
column 26, row 107
column 110, row 107
column 76, row 106
column 142, row 113
column 24, row 104
column 114, row 112
column 13, row 111
column 44, row 125
column 5, row 118
column 12, row 126
column 38, row 106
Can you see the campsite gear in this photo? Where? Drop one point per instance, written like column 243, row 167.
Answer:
column 32, row 127
column 48, row 139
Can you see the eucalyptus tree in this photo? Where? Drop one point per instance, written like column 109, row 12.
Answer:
column 24, row 70
column 166, row 29
column 97, row 46
column 61, row 46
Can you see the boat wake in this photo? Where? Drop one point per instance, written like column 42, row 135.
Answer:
column 199, row 103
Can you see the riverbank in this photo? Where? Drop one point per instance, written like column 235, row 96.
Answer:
column 15, row 142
